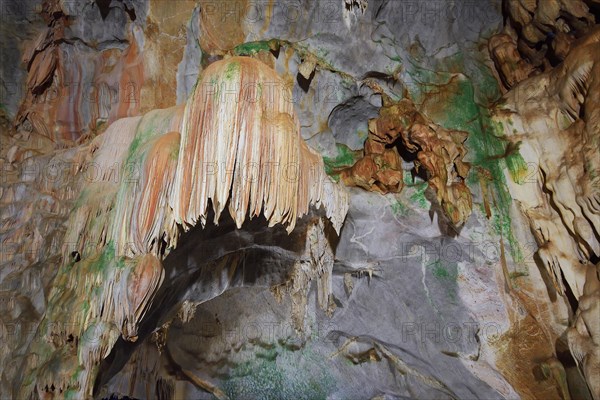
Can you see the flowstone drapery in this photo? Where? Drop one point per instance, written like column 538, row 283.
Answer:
column 233, row 144
column 554, row 121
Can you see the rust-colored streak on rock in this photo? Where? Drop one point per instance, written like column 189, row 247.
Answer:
column 131, row 81
column 222, row 25
column 142, row 283
column 159, row 170
column 521, row 352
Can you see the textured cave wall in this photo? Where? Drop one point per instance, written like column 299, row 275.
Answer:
column 419, row 308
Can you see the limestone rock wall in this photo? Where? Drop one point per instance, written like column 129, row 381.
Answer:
column 471, row 275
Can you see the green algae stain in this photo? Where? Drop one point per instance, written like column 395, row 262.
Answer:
column 103, row 264
column 134, row 148
column 416, row 190
column 517, row 167
column 279, row 373
column 447, row 274
column 251, row 48
column 518, row 274
column 151, row 124
column 442, row 271
column 398, row 208
column 72, row 393
column 407, row 178
column 418, row 195
column 233, row 69
column 103, row 261
column 470, row 90
column 82, row 199
column 85, row 307
column 344, row 158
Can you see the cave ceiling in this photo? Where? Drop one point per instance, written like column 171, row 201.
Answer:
column 298, row 199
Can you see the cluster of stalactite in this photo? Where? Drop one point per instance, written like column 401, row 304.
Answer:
column 553, row 119
column 439, row 155
column 232, row 145
column 538, row 35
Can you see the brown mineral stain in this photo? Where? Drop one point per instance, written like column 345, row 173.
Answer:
column 268, row 13
column 222, row 25
column 521, row 351
column 132, row 79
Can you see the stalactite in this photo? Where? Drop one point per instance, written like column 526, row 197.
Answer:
column 315, row 265
column 438, row 151
column 554, row 117
column 537, row 36
column 240, row 144
column 146, row 179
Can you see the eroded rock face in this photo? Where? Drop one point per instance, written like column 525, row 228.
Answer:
column 511, row 67
column 439, row 155
column 559, row 135
column 553, row 120
column 539, row 35
column 583, row 335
